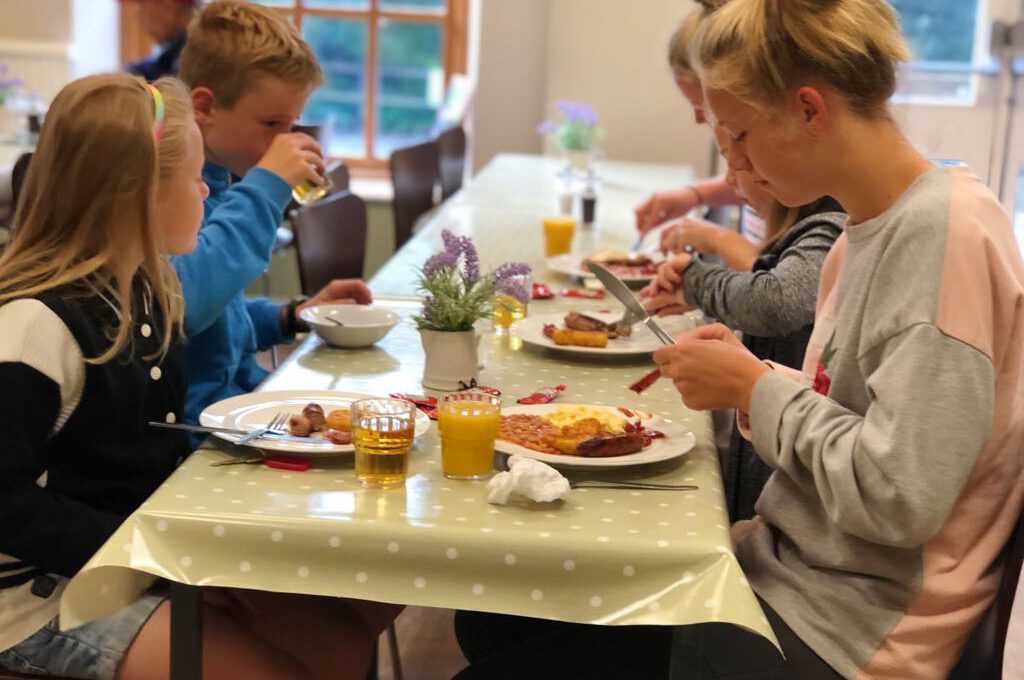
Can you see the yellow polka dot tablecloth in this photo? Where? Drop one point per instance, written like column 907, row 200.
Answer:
column 606, row 556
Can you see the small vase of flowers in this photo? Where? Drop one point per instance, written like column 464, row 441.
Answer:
column 457, row 295
column 575, row 135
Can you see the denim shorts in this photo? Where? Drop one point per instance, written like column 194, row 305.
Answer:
column 90, row 652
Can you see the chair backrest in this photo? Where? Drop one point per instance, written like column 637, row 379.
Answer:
column 339, row 176
column 18, row 173
column 982, row 658
column 413, row 177
column 451, row 148
column 330, row 239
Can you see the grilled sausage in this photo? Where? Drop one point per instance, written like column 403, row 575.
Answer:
column 581, row 322
column 315, row 414
column 608, row 445
column 338, row 436
column 299, row 426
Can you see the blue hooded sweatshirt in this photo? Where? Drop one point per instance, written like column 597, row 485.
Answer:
column 224, row 330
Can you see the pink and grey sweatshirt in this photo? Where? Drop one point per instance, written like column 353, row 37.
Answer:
column 899, row 454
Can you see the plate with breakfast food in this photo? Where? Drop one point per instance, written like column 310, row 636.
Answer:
column 318, row 415
column 632, row 268
column 600, row 333
column 588, row 436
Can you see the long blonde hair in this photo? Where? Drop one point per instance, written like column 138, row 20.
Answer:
column 680, row 42
column 85, row 218
column 759, row 50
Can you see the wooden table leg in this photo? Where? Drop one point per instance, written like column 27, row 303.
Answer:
column 186, row 632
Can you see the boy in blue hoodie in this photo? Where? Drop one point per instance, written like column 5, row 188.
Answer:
column 250, row 73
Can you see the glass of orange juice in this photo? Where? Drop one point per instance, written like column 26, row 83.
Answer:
column 558, row 233
column 469, row 423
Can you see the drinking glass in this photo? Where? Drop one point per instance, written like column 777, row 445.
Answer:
column 506, row 309
column 382, row 431
column 308, row 192
column 558, row 233
column 469, row 423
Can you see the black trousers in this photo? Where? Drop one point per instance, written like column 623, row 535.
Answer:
column 502, row 647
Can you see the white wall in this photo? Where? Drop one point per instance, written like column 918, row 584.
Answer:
column 95, row 37
column 610, row 53
column 508, row 60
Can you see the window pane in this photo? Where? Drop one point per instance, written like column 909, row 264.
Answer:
column 337, row 4
column 410, row 83
column 414, row 5
column 941, row 35
column 340, row 45
column 939, row 30
column 274, row 3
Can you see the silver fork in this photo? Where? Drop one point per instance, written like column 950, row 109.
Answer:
column 276, row 426
column 652, row 486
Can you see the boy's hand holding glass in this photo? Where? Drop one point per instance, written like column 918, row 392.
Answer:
column 711, row 368
column 297, row 159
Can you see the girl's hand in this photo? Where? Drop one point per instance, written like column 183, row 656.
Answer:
column 711, row 369
column 689, row 233
column 669, row 278
column 664, row 206
column 667, row 304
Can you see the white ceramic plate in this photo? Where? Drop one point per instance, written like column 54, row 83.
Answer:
column 677, row 441
column 255, row 410
column 531, row 331
column 571, row 264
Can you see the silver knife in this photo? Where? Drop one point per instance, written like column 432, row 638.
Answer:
column 270, row 436
column 624, row 295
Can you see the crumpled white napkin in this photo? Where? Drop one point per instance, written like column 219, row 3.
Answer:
column 527, row 477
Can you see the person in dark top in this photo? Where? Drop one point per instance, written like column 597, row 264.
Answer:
column 166, row 22
column 766, row 291
column 91, row 351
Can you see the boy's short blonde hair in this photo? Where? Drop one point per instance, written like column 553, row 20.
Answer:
column 232, row 43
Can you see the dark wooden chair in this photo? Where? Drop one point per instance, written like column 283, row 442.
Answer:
column 413, row 176
column 451, row 149
column 982, row 658
column 18, row 173
column 339, row 176
column 330, row 239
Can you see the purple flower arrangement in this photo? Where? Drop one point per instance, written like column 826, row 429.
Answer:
column 7, row 84
column 578, row 128
column 457, row 294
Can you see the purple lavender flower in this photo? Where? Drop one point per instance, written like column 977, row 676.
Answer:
column 511, row 269
column 462, row 246
column 471, row 262
column 547, row 127
column 439, row 262
column 513, row 288
column 449, row 239
column 577, row 112
column 428, row 308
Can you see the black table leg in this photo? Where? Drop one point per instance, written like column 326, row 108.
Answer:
column 186, row 632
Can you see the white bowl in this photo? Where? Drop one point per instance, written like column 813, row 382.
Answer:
column 360, row 326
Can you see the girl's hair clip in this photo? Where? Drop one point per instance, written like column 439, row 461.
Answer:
column 159, row 112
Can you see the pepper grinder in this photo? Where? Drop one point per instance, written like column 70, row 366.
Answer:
column 589, row 200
